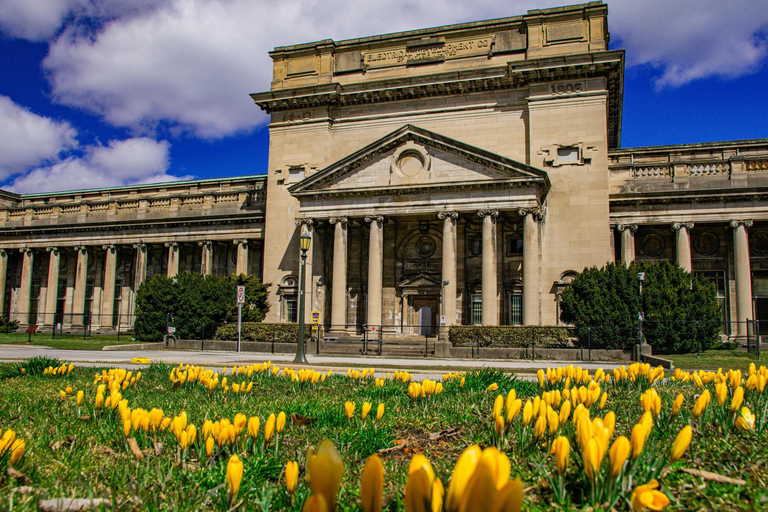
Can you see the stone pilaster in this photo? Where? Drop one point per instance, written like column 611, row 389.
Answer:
column 450, row 278
column 743, row 274
column 173, row 258
column 3, row 278
column 627, row 242
column 375, row 269
column 490, row 269
column 141, row 265
column 81, row 279
column 339, row 286
column 242, row 256
column 22, row 304
column 531, row 264
column 206, row 261
column 52, row 290
column 108, row 296
column 683, row 244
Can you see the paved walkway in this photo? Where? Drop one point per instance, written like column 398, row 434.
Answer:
column 427, row 368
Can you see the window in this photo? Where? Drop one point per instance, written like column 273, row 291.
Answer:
column 717, row 277
column 514, row 245
column 516, row 309
column 291, row 311
column 475, row 246
column 477, row 309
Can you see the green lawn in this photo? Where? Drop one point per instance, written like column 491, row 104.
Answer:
column 82, row 452
column 714, row 359
column 67, row 341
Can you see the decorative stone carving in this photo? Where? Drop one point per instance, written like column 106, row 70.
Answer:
column 308, row 223
column 140, row 246
column 205, row 243
column 758, row 242
column 343, row 220
column 653, row 245
column 173, row 245
column 54, row 250
column 680, row 225
column 493, row 214
column 745, row 223
column 109, row 247
column 706, row 243
column 379, row 219
column 82, row 249
column 536, row 212
column 631, row 227
column 241, row 242
column 448, row 215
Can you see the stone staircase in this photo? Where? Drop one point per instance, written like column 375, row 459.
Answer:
column 397, row 346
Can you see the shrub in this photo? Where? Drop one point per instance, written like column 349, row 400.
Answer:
column 603, row 306
column 8, row 326
column 194, row 301
column 262, row 333
column 513, row 336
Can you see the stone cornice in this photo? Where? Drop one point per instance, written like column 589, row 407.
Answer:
column 515, row 75
column 667, row 198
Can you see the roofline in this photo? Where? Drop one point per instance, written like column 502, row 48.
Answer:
column 408, row 34
column 695, row 145
column 142, row 186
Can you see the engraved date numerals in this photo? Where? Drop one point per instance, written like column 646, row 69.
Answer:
column 563, row 89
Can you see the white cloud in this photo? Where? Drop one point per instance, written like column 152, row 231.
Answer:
column 126, row 162
column 27, row 139
column 688, row 40
column 190, row 64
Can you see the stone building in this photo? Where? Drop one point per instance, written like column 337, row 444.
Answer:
column 465, row 172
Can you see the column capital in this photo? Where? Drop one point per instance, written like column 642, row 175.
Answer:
column 53, row 249
column 304, row 222
column 109, row 247
column 339, row 220
column 242, row 242
column 140, row 246
column 676, row 226
column 493, row 214
column 26, row 250
column 445, row 214
column 737, row 223
column 81, row 249
column 205, row 243
column 3, row 253
column 379, row 219
column 632, row 228
column 536, row 212
column 173, row 245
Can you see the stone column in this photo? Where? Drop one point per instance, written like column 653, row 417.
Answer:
column 141, row 265
column 22, row 304
column 683, row 245
column 449, row 266
column 206, row 260
column 242, row 256
column 339, row 285
column 375, row 269
column 627, row 242
column 490, row 270
column 52, row 290
column 108, row 296
column 743, row 275
column 173, row 258
column 531, row 262
column 81, row 278
column 3, row 278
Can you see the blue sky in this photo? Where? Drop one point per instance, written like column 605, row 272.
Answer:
column 98, row 93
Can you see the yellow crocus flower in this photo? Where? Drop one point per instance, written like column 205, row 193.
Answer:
column 681, row 443
column 379, row 412
column 647, row 497
column 366, row 409
column 349, row 407
column 280, row 423
column 234, row 476
column 269, row 428
column 291, row 476
column 462, row 472
column 618, row 454
column 372, row 484
column 325, row 470
column 562, row 453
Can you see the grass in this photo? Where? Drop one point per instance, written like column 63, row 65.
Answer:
column 83, row 453
column 67, row 341
column 714, row 359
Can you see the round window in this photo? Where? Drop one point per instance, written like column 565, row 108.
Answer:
column 426, row 247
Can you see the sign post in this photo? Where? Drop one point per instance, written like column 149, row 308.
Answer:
column 240, row 302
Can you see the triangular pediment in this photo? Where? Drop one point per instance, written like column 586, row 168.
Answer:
column 412, row 158
column 419, row 281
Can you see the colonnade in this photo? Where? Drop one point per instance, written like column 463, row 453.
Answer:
column 104, row 309
column 490, row 268
column 741, row 263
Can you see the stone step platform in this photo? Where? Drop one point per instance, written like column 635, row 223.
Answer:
column 400, row 346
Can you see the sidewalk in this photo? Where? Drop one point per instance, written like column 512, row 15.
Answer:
column 426, row 368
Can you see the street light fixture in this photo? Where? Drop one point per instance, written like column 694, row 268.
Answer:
column 304, row 241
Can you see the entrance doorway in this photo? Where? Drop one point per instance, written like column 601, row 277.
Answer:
column 424, row 315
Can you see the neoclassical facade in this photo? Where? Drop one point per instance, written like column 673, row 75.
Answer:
column 452, row 175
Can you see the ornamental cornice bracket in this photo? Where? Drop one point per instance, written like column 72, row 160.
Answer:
column 536, row 212
column 632, row 228
column 680, row 225
column 339, row 220
column 745, row 223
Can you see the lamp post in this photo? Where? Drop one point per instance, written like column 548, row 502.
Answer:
column 640, row 279
column 304, row 241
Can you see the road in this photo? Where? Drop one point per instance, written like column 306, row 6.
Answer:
column 421, row 368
